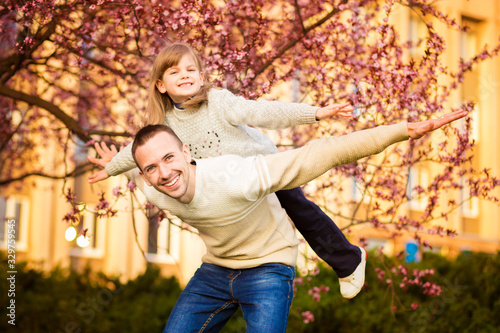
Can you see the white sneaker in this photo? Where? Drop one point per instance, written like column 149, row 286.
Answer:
column 351, row 285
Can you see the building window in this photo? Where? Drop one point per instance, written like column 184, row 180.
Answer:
column 356, row 194
column 386, row 246
column 159, row 237
column 91, row 242
column 471, row 87
column 470, row 205
column 417, row 31
column 14, row 212
column 418, row 180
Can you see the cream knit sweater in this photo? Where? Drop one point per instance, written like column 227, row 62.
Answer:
column 241, row 225
column 219, row 127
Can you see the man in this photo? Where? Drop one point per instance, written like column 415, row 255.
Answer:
column 251, row 246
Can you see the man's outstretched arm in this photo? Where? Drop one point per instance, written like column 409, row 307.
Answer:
column 293, row 168
column 419, row 129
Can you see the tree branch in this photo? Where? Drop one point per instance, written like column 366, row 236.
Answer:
column 68, row 121
column 135, row 229
column 15, row 59
column 78, row 171
column 294, row 41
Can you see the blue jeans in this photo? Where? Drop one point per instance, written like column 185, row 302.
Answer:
column 320, row 232
column 214, row 293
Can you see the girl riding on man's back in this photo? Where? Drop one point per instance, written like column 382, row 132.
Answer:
column 215, row 122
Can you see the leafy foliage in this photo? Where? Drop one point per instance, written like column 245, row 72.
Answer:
column 468, row 301
column 67, row 301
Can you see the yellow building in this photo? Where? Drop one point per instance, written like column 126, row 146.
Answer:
column 115, row 246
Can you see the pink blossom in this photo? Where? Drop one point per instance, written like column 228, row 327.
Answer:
column 316, row 292
column 131, row 186
column 298, row 281
column 117, row 191
column 308, row 317
column 90, row 143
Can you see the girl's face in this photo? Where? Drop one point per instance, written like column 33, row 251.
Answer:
column 182, row 81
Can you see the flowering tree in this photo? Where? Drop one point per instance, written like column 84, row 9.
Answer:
column 75, row 71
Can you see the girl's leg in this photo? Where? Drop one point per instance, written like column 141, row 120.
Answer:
column 324, row 237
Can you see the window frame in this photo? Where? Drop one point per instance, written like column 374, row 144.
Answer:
column 97, row 232
column 21, row 223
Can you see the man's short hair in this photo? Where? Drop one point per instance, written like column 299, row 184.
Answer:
column 147, row 133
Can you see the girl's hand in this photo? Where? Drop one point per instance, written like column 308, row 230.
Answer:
column 418, row 129
column 106, row 155
column 341, row 110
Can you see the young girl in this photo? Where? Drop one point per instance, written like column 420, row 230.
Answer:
column 214, row 122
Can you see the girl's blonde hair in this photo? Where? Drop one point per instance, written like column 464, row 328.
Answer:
column 159, row 103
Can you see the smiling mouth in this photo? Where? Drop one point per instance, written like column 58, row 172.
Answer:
column 188, row 84
column 172, row 182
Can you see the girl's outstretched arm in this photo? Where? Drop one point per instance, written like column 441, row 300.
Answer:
column 340, row 110
column 237, row 110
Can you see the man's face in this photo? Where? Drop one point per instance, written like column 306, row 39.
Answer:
column 166, row 167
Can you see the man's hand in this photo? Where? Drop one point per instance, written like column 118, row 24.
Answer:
column 419, row 129
column 106, row 155
column 104, row 152
column 342, row 110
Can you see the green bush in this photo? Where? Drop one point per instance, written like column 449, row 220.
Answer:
column 66, row 301
column 469, row 301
